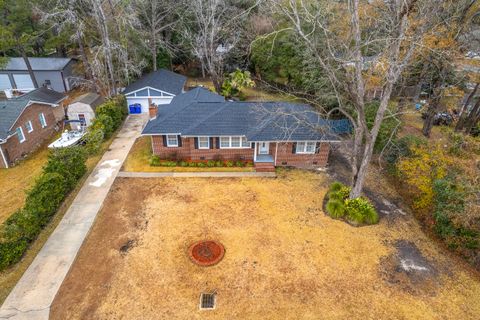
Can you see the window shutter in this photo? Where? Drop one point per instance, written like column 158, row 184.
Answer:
column 294, row 148
column 164, row 141
column 218, row 142
column 195, row 142
column 211, row 142
column 179, row 140
column 317, row 147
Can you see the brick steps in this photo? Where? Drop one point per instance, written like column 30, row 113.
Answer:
column 264, row 167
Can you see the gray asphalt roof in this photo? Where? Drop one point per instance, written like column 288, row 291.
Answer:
column 9, row 112
column 91, row 98
column 162, row 79
column 38, row 64
column 11, row 109
column 43, row 94
column 202, row 113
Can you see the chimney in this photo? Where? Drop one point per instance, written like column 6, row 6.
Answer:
column 152, row 109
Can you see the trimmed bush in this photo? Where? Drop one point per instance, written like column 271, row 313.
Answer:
column 69, row 163
column 155, row 161
column 93, row 140
column 61, row 173
column 183, row 164
column 219, row 163
column 210, row 163
column 201, row 165
column 360, row 210
column 229, row 163
column 192, row 164
column 335, row 208
column 239, row 164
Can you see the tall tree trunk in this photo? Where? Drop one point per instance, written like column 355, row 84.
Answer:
column 29, row 66
column 107, row 44
column 88, row 68
column 472, row 118
column 431, row 112
column 464, row 110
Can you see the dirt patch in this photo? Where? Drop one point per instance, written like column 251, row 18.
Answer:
column 408, row 269
column 286, row 259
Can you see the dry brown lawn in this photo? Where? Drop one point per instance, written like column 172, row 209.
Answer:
column 284, row 258
column 15, row 181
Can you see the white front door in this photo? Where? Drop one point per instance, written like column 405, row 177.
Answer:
column 264, row 148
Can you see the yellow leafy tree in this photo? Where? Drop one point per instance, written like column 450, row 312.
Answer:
column 420, row 170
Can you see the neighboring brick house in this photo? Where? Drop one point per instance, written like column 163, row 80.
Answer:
column 201, row 125
column 27, row 121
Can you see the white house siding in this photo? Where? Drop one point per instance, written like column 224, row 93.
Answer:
column 144, row 101
column 80, row 108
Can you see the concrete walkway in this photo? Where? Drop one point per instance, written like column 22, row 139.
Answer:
column 124, row 174
column 33, row 295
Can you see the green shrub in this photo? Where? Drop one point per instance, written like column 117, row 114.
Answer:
column 155, row 161
column 104, row 123
column 335, row 208
column 69, row 163
column 336, row 196
column 229, row 163
column 201, row 164
column 12, row 245
column 45, row 197
column 360, row 210
column 183, row 164
column 239, row 164
column 210, row 163
column 93, row 140
column 218, row 163
column 249, row 164
column 192, row 164
column 336, row 186
column 172, row 163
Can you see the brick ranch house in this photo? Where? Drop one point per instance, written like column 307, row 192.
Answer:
column 201, row 125
column 28, row 121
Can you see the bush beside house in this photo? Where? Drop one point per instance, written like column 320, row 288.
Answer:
column 60, row 175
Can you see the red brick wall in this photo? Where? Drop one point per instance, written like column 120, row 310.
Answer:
column 15, row 150
column 284, row 153
column 188, row 152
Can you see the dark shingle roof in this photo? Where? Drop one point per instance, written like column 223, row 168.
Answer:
column 11, row 109
column 164, row 80
column 38, row 64
column 43, row 94
column 202, row 113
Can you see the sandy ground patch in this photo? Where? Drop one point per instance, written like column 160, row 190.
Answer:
column 284, row 258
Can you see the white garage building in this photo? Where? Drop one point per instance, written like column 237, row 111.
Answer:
column 159, row 86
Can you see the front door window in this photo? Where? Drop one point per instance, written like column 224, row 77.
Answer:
column 263, row 149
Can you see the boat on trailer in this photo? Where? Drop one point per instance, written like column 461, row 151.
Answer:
column 69, row 138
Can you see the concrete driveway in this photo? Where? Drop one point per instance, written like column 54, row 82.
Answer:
column 32, row 296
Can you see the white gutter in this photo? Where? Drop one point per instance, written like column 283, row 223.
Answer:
column 255, row 154
column 3, row 157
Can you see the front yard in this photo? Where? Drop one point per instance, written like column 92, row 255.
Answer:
column 284, row 259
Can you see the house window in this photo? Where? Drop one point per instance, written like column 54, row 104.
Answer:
column 306, row 147
column 224, row 142
column 233, row 142
column 29, row 126
column 20, row 135
column 203, row 142
column 43, row 122
column 172, row 140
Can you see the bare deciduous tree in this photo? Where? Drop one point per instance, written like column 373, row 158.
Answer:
column 213, row 28
column 344, row 38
